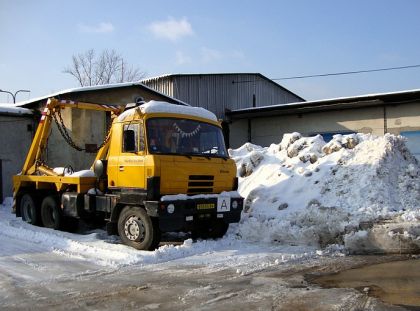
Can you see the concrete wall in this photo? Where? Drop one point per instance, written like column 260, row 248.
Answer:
column 15, row 140
column 85, row 127
column 267, row 130
column 238, row 133
column 403, row 118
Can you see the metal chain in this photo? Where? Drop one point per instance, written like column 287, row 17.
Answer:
column 63, row 131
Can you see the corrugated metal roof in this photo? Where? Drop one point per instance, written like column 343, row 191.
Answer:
column 218, row 92
column 166, row 76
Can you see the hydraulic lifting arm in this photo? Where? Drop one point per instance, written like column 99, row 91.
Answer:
column 39, row 142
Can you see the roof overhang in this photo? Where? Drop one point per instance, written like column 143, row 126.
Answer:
column 355, row 102
column 29, row 103
column 14, row 111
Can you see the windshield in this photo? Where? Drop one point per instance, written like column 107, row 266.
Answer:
column 186, row 137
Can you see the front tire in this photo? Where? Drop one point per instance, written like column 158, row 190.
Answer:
column 51, row 213
column 137, row 229
column 28, row 209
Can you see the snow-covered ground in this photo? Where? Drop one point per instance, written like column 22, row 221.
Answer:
column 33, row 253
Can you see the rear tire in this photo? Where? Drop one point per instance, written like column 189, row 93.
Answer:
column 137, row 229
column 51, row 213
column 29, row 210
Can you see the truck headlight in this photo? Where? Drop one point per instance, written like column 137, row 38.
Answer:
column 170, row 208
column 234, row 204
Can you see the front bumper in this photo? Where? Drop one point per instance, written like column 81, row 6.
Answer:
column 179, row 215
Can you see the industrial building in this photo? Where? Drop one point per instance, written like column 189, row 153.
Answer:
column 396, row 113
column 221, row 92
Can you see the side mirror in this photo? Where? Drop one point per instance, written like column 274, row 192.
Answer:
column 99, row 168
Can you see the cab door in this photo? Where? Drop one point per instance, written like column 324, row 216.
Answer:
column 130, row 173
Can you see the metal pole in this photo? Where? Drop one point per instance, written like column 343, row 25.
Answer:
column 14, row 99
column 28, row 91
column 14, row 95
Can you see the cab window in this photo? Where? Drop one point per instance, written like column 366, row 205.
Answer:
column 130, row 138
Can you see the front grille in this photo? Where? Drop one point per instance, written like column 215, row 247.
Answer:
column 201, row 177
column 200, row 184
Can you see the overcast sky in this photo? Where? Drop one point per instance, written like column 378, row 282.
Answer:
column 275, row 38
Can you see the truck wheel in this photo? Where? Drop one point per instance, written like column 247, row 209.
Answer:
column 28, row 209
column 137, row 229
column 51, row 213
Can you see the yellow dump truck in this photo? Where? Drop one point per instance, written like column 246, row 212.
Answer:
column 162, row 168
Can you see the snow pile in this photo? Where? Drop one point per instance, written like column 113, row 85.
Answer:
column 65, row 171
column 306, row 192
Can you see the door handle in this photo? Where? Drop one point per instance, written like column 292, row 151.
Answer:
column 121, row 168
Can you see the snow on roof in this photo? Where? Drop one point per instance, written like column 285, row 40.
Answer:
column 164, row 107
column 335, row 99
column 166, row 75
column 95, row 88
column 12, row 109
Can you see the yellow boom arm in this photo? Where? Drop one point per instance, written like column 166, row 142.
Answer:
column 41, row 136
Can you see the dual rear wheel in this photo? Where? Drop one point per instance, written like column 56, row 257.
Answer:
column 48, row 213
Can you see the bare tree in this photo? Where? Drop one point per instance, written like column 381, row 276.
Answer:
column 108, row 67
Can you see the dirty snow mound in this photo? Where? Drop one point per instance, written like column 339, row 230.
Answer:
column 307, row 192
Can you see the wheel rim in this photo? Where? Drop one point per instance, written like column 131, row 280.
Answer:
column 134, row 229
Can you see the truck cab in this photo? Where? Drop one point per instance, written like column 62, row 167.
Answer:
column 164, row 168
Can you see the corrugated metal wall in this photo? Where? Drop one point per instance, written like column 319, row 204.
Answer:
column 217, row 92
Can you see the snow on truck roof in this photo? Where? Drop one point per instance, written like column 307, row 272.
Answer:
column 164, row 107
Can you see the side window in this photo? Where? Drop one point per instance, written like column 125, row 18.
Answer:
column 142, row 142
column 130, row 138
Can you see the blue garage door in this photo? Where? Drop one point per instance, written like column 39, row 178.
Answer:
column 328, row 136
column 413, row 142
